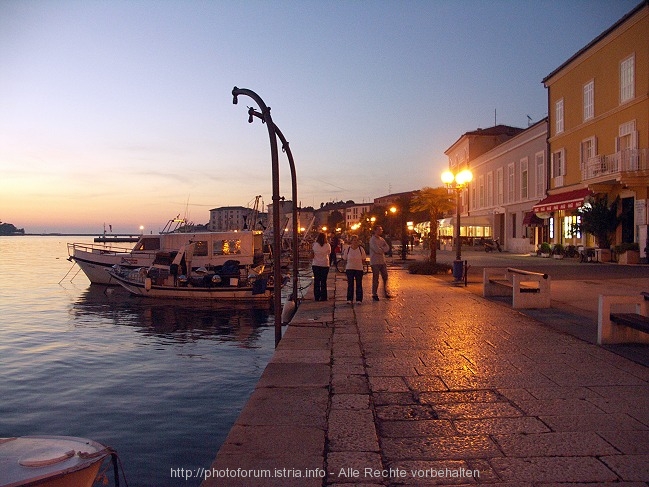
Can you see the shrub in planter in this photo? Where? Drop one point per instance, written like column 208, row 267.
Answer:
column 628, row 253
column 545, row 249
column 599, row 219
column 624, row 247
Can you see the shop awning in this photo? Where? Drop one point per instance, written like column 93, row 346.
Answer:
column 562, row 201
column 531, row 220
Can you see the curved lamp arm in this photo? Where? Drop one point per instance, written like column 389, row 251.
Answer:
column 277, row 271
column 285, row 147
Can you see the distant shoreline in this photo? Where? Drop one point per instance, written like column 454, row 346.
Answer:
column 58, row 234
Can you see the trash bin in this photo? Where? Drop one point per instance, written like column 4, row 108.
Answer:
column 458, row 270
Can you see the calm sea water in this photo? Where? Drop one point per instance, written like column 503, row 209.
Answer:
column 161, row 382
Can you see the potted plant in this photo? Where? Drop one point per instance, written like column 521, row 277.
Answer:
column 628, row 253
column 599, row 219
column 545, row 249
column 557, row 251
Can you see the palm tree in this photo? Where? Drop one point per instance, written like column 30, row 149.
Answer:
column 436, row 201
column 599, row 219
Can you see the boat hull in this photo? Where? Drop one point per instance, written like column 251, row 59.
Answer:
column 226, row 293
column 97, row 272
column 95, row 262
column 50, row 461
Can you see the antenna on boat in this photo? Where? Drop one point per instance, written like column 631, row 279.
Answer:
column 187, row 209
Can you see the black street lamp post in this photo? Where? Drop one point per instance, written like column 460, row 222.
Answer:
column 457, row 182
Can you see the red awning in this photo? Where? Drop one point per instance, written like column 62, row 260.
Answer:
column 531, row 220
column 562, row 201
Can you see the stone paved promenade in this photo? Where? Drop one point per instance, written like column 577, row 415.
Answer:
column 437, row 386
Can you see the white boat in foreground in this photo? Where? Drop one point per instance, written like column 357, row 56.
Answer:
column 95, row 259
column 174, row 275
column 51, row 461
column 212, row 249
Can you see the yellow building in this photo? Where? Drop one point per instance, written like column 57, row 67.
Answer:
column 598, row 108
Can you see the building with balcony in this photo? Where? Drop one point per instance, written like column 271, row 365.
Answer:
column 598, row 104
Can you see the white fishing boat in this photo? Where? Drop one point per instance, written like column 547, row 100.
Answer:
column 212, row 249
column 51, row 461
column 183, row 274
column 95, row 259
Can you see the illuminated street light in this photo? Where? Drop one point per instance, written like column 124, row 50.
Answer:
column 402, row 224
column 457, row 182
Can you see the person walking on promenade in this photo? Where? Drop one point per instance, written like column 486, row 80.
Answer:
column 335, row 242
column 378, row 248
column 354, row 257
column 320, row 266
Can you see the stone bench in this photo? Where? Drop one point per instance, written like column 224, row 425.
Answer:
column 623, row 327
column 527, row 289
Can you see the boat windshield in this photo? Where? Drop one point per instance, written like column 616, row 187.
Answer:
column 148, row 243
column 200, row 248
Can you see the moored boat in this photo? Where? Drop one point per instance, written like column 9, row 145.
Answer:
column 95, row 259
column 212, row 249
column 174, row 275
column 51, row 461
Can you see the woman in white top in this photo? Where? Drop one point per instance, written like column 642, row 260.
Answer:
column 354, row 256
column 320, row 266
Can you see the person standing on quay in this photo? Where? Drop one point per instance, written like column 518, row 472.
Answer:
column 378, row 248
column 335, row 242
column 320, row 266
column 354, row 258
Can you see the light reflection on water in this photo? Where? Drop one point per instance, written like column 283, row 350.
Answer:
column 160, row 381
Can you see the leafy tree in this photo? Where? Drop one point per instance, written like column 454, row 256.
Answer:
column 335, row 219
column 403, row 204
column 599, row 219
column 365, row 230
column 436, row 201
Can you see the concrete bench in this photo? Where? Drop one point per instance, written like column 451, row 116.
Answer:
column 623, row 327
column 527, row 289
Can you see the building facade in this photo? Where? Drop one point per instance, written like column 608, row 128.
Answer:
column 507, row 181
column 479, row 200
column 598, row 110
column 227, row 218
column 354, row 212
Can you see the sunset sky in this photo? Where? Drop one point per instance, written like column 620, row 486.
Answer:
column 120, row 112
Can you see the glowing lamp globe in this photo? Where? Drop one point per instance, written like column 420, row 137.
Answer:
column 447, row 177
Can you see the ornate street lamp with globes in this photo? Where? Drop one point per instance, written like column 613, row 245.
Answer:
column 457, row 182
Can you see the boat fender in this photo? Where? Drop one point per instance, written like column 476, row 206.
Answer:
column 147, row 284
column 288, row 311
